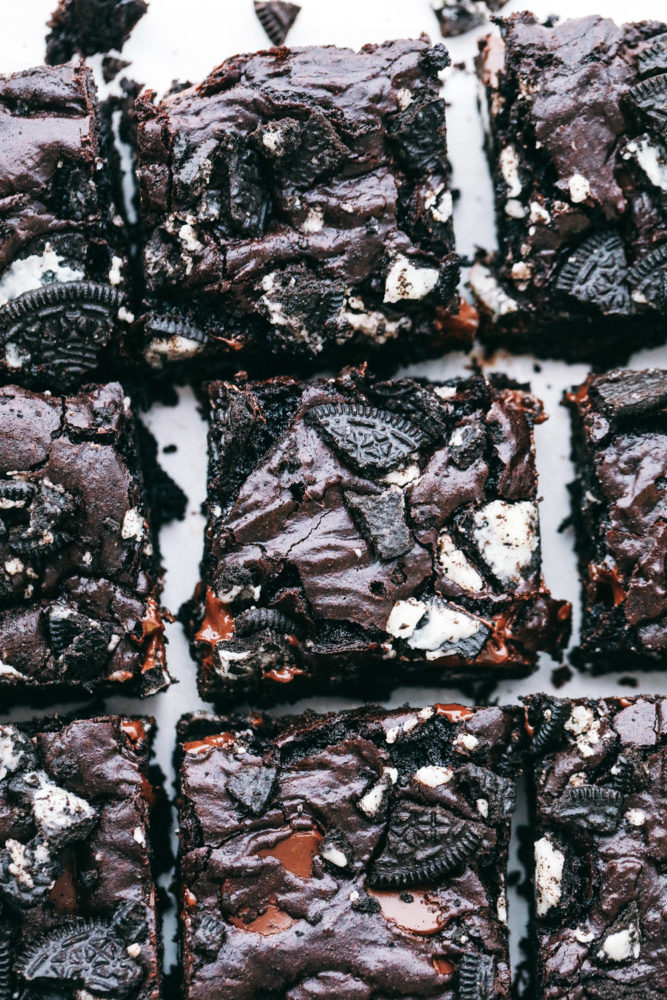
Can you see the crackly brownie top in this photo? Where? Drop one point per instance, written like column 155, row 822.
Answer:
column 599, row 880
column 90, row 26
column 402, row 513
column 71, row 499
column 622, row 419
column 77, row 908
column 579, row 120
column 306, row 186
column 347, row 856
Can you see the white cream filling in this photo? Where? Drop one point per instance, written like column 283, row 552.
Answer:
column 506, row 537
column 549, row 865
column 456, row 566
column 33, row 272
column 406, row 280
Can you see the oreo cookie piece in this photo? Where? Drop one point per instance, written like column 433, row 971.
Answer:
column 358, row 531
column 65, row 289
column 369, row 871
column 456, row 17
column 89, row 26
column 276, row 17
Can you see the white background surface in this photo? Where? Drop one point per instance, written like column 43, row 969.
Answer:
column 185, row 39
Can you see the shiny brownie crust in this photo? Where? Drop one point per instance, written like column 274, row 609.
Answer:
column 346, row 856
column 599, row 845
column 77, row 891
column 361, row 532
column 297, row 202
column 78, row 574
column 576, row 145
column 619, row 448
column 63, row 268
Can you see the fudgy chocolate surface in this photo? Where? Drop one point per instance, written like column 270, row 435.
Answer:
column 619, row 504
column 77, row 893
column 577, row 147
column 297, row 201
column 370, row 531
column 348, row 856
column 90, row 26
column 63, row 271
column 600, row 845
column 78, row 575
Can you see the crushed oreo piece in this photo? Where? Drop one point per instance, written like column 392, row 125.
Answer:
column 17, row 752
column 467, row 444
column 550, row 725
column 381, row 518
column 266, row 620
column 596, row 274
column 372, row 440
column 653, row 58
column 423, row 844
column 276, row 17
column 595, row 808
column 497, row 791
column 90, row 26
column 87, row 953
column 418, row 133
column 631, row 394
column 27, row 872
column 649, row 97
column 209, row 935
column 648, row 279
column 475, row 977
column 80, row 644
column 252, row 787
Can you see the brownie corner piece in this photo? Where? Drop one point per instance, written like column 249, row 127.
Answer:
column 79, row 577
column 298, row 202
column 599, row 799
column 77, row 863
column 86, row 27
column 356, row 523
column 576, row 146
column 354, row 854
column 619, row 448
column 65, row 280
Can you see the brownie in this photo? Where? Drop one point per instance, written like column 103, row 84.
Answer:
column 576, row 146
column 619, row 449
column 357, row 524
column 85, row 27
column 77, row 890
column 346, row 856
column 276, row 17
column 79, row 584
column 600, row 797
column 63, row 266
column 455, row 17
column 297, row 202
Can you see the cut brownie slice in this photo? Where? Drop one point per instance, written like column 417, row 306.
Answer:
column 355, row 523
column 298, row 201
column 353, row 855
column 619, row 504
column 63, row 270
column 89, row 26
column 77, row 890
column 78, row 575
column 600, row 798
column 577, row 149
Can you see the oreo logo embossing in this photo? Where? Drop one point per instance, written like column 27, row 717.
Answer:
column 372, row 440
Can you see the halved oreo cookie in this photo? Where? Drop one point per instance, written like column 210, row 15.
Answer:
column 596, row 274
column 371, row 440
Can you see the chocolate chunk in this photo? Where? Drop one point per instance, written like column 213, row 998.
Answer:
column 422, row 845
column 630, row 394
column 382, row 520
column 277, row 17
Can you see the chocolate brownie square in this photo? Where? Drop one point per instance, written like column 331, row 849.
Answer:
column 63, row 268
column 79, row 582
column 363, row 532
column 600, row 797
column 349, row 855
column 576, row 119
column 619, row 448
column 297, row 202
column 77, row 890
